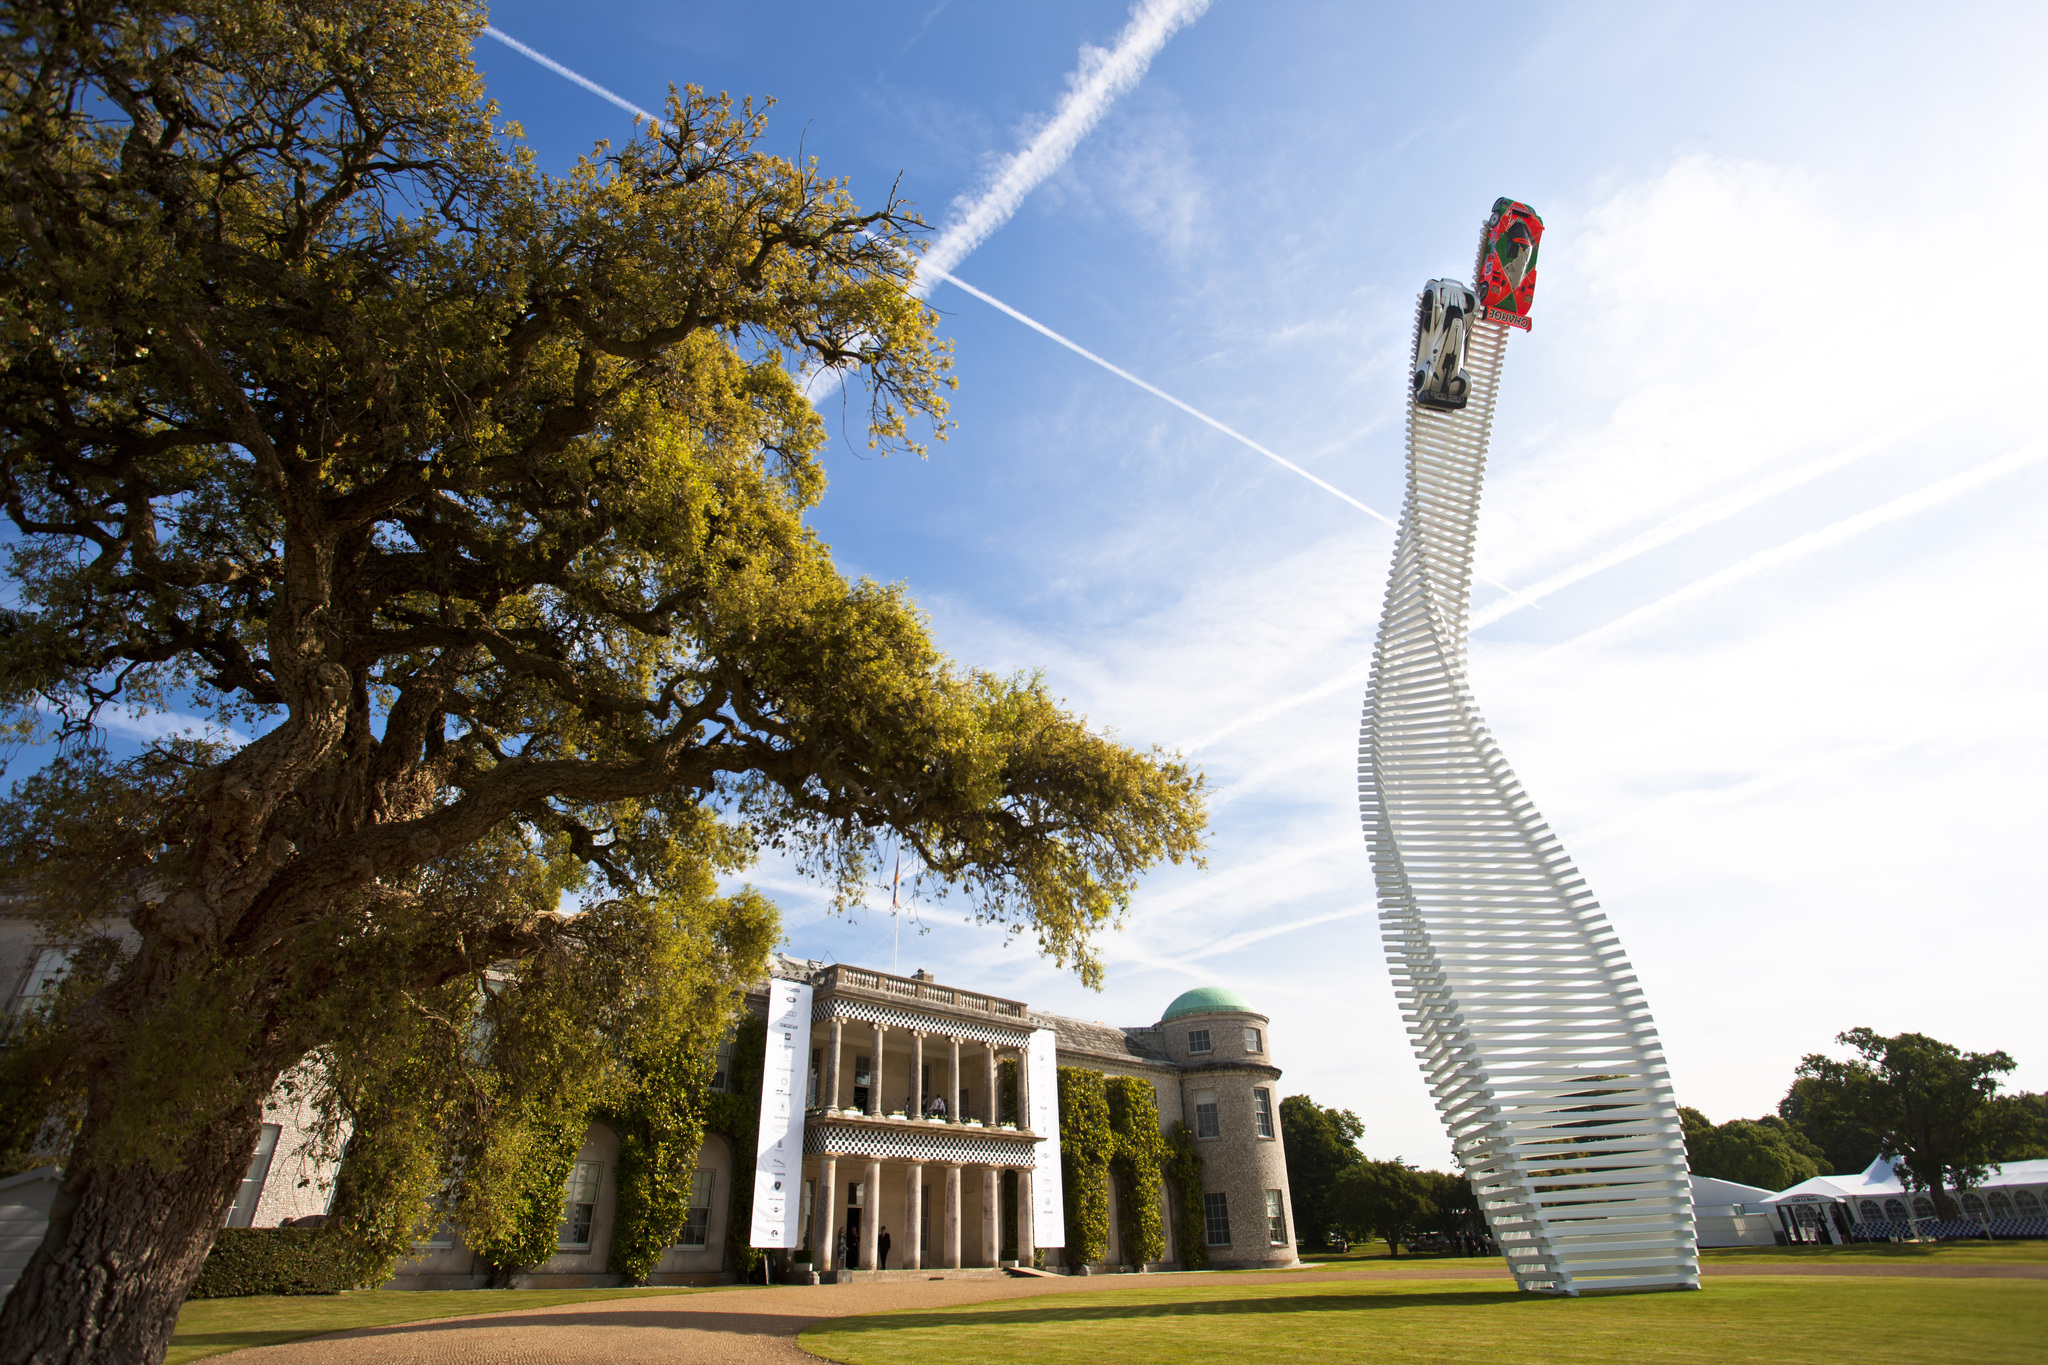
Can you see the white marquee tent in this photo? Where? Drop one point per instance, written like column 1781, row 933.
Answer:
column 2011, row 1201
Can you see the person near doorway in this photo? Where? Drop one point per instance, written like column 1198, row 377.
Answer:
column 937, row 1108
column 882, row 1249
column 839, row 1251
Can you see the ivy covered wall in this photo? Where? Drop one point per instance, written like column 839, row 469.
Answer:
column 1086, row 1146
column 1138, row 1160
column 1110, row 1126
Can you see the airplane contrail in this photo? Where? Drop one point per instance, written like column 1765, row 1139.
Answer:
column 1190, row 409
column 1078, row 349
column 1100, row 78
column 1091, row 88
column 588, row 84
column 1919, row 500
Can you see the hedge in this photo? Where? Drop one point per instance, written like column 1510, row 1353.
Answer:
column 247, row 1261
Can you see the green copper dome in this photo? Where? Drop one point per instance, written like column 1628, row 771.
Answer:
column 1206, row 1000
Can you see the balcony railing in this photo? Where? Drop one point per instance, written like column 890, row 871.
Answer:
column 923, row 992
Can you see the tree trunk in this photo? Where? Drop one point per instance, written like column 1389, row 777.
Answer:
column 1944, row 1207
column 122, row 1251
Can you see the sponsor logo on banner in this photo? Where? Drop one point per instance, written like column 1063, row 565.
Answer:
column 1048, row 1199
column 779, row 1152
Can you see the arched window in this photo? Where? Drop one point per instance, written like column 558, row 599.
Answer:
column 2001, row 1207
column 1895, row 1210
column 2028, row 1206
column 1870, row 1213
column 1973, row 1206
column 1923, row 1207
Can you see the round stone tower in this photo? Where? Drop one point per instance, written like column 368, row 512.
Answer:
column 1230, row 1100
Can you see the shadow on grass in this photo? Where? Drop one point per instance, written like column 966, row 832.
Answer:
column 567, row 1315
column 1276, row 1305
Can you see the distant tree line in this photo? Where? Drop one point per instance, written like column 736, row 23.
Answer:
column 1338, row 1190
column 1935, row 1110
column 1932, row 1108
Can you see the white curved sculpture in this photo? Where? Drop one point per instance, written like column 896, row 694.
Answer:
column 1527, row 1018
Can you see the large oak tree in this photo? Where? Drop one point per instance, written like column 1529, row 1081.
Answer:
column 1935, row 1109
column 474, row 497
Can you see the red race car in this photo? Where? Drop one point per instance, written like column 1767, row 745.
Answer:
column 1507, row 263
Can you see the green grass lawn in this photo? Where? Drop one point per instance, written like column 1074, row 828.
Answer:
column 1928, row 1253
column 1377, row 1252
column 210, row 1327
column 1793, row 1319
column 1374, row 1255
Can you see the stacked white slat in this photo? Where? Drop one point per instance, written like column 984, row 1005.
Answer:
column 1525, row 1014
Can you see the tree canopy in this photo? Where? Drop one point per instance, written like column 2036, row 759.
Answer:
column 1768, row 1153
column 1387, row 1199
column 468, row 503
column 1321, row 1143
column 1934, row 1108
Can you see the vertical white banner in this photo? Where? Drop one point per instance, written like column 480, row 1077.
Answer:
column 1049, row 1200
column 779, row 1148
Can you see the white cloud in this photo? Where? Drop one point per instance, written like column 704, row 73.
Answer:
column 1773, row 784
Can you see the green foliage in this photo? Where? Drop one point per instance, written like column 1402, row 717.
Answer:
column 1845, row 1143
column 735, row 1115
column 1321, row 1144
column 476, row 498
column 661, row 1131
column 1184, row 1169
column 1453, row 1207
column 1768, row 1153
column 1086, row 1148
column 1138, row 1161
column 1006, row 1094
column 1933, row 1107
column 2025, row 1122
column 1389, row 1199
column 470, row 1104
column 247, row 1261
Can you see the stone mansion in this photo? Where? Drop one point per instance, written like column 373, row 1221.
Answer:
column 912, row 1125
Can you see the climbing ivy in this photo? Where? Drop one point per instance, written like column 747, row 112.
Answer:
column 661, row 1132
column 736, row 1117
column 1137, row 1160
column 1185, row 1170
column 1086, row 1146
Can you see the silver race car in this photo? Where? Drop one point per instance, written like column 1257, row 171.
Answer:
column 1446, row 310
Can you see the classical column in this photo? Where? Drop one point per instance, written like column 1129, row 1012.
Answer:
column 829, row 1094
column 1023, row 1088
column 870, row 1214
column 990, row 1049
column 953, row 1076
column 875, row 1076
column 951, row 1259
column 916, row 1106
column 913, row 1215
column 1027, row 1220
column 991, row 1216
column 823, row 1201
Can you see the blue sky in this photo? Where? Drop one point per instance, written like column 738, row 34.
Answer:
column 1774, row 436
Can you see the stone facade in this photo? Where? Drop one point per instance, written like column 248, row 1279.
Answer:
column 883, row 1049
column 1209, row 1061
